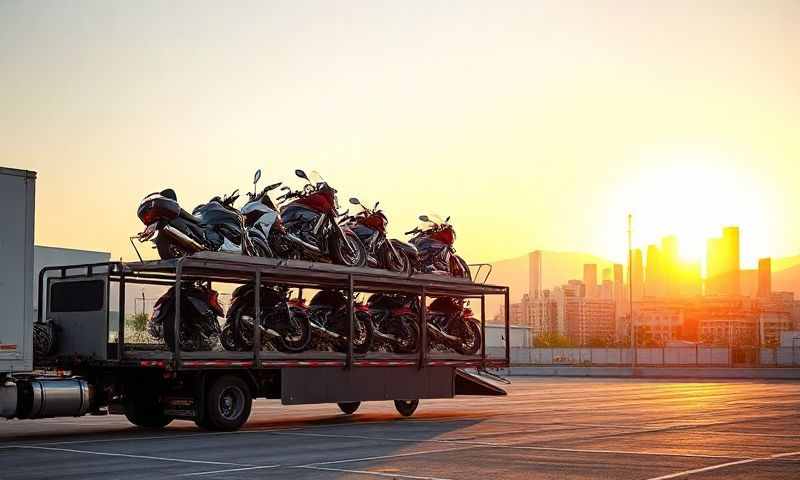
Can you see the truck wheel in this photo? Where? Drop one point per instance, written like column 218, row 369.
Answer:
column 349, row 407
column 228, row 404
column 146, row 413
column 406, row 407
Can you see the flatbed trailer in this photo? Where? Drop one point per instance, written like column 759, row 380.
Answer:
column 152, row 385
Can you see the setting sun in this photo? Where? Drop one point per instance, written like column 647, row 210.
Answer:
column 692, row 195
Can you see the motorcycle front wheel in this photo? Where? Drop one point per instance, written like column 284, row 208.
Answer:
column 355, row 256
column 469, row 334
column 295, row 332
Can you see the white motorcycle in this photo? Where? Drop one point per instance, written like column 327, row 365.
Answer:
column 263, row 223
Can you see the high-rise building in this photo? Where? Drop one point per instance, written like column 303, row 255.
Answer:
column 535, row 273
column 723, row 276
column 730, row 240
column 654, row 273
column 590, row 279
column 637, row 274
column 764, row 277
column 670, row 266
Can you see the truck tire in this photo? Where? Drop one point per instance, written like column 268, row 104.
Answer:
column 349, row 408
column 146, row 413
column 406, row 407
column 228, row 404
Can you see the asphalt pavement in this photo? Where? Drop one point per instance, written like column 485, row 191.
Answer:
column 546, row 428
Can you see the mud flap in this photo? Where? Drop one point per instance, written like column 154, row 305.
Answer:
column 469, row 384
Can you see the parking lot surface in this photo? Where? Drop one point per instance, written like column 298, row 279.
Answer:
column 546, row 428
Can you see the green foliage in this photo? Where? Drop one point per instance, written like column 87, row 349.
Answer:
column 551, row 340
column 139, row 322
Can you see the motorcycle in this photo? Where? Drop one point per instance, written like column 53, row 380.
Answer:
column 450, row 323
column 370, row 227
column 434, row 239
column 199, row 327
column 282, row 321
column 215, row 226
column 329, row 319
column 395, row 324
column 453, row 325
column 312, row 228
column 264, row 225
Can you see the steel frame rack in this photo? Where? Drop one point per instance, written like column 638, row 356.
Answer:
column 234, row 268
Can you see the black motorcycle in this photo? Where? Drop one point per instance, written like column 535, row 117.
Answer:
column 215, row 226
column 330, row 321
column 199, row 326
column 312, row 228
column 396, row 325
column 283, row 322
column 370, row 226
column 451, row 324
column 434, row 238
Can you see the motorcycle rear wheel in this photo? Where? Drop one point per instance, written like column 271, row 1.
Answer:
column 340, row 255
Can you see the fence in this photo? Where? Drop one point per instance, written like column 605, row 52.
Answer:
column 667, row 356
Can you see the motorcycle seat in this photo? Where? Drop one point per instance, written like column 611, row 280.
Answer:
column 190, row 218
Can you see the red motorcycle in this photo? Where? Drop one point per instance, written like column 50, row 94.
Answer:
column 434, row 238
column 312, row 228
column 382, row 252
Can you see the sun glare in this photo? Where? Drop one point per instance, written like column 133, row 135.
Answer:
column 692, row 199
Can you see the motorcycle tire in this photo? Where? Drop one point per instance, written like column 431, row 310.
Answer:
column 341, row 256
column 296, row 333
column 470, row 334
column 363, row 324
column 400, row 264
column 404, row 328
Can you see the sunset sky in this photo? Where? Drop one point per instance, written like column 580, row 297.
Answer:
column 534, row 124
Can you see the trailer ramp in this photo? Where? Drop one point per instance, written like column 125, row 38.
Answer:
column 469, row 384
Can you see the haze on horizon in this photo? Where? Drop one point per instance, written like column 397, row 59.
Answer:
column 535, row 125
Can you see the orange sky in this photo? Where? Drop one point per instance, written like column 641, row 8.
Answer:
column 533, row 124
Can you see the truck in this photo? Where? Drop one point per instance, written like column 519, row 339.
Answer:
column 86, row 363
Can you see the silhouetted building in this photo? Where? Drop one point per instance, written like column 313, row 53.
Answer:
column 590, row 279
column 535, row 273
column 637, row 274
column 670, row 266
column 654, row 273
column 722, row 259
column 764, row 277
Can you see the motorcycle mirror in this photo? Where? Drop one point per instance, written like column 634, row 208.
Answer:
column 424, row 218
column 355, row 201
column 256, row 178
column 446, row 220
column 301, row 174
column 376, row 205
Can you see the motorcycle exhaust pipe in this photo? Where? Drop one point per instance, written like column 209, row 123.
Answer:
column 182, row 239
column 441, row 334
column 303, row 243
column 326, row 332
